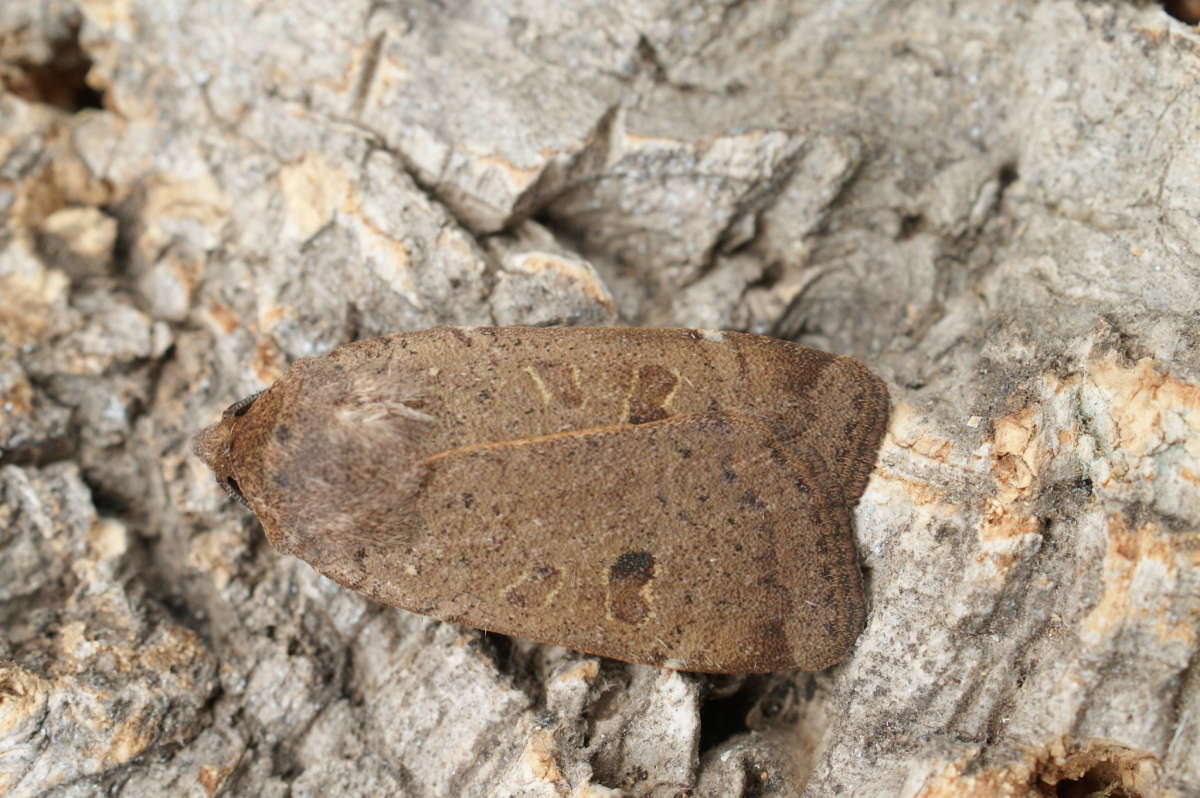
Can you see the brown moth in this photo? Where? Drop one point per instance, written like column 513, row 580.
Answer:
column 674, row 497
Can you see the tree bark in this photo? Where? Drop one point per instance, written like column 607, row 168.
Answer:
column 992, row 205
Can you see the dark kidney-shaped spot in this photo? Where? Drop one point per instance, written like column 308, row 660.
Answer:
column 627, row 576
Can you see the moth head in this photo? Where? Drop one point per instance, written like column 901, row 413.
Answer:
column 214, row 445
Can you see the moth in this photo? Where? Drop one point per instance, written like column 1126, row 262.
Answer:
column 674, row 497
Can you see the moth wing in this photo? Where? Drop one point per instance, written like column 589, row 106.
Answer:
column 698, row 542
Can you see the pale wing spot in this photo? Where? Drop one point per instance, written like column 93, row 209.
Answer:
column 577, row 384
column 666, row 402
column 716, row 336
column 536, row 588
column 647, row 595
column 625, row 400
column 550, row 594
column 650, row 391
column 558, row 382
column 540, row 384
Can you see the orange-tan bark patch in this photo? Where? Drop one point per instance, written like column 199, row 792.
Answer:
column 1141, row 400
column 1129, row 551
column 540, row 757
column 1094, row 768
column 225, row 319
column 1016, row 455
column 268, row 362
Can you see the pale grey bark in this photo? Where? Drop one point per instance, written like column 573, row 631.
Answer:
column 995, row 206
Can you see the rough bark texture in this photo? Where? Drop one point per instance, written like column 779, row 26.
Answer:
column 995, row 205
